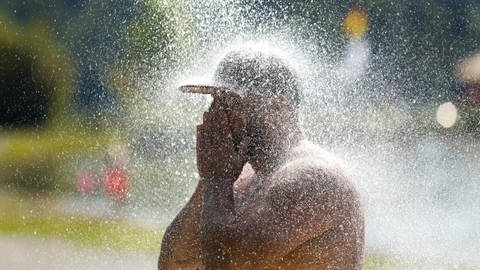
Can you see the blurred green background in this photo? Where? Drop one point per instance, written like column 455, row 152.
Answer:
column 86, row 99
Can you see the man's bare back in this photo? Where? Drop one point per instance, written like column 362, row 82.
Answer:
column 267, row 199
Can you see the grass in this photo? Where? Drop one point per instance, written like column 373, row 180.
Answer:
column 28, row 217
column 113, row 234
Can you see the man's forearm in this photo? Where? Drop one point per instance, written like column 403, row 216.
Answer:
column 218, row 201
column 218, row 217
column 181, row 244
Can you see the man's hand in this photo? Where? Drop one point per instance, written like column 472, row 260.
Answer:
column 221, row 151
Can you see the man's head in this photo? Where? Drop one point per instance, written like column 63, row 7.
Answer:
column 266, row 113
column 260, row 92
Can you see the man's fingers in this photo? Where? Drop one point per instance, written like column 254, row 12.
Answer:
column 230, row 99
column 202, row 136
column 216, row 103
column 215, row 130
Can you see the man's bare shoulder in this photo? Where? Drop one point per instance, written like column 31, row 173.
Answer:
column 311, row 154
column 310, row 163
column 311, row 177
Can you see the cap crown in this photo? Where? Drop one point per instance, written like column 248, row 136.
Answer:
column 261, row 72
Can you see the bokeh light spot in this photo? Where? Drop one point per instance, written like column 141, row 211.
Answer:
column 447, row 114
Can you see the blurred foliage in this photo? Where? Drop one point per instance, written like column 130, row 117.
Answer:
column 47, row 62
column 92, row 30
column 37, row 76
column 47, row 68
column 156, row 42
column 160, row 35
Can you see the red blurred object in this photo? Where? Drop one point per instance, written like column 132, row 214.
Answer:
column 85, row 182
column 116, row 183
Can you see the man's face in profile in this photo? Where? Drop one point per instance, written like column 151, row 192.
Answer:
column 243, row 113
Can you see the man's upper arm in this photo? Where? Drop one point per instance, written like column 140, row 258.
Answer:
column 180, row 247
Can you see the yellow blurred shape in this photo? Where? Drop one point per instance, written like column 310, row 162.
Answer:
column 447, row 114
column 355, row 24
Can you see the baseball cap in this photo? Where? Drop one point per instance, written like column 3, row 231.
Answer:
column 263, row 72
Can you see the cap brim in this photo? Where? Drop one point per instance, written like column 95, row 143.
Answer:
column 201, row 89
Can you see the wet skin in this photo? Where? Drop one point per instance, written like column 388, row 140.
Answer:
column 267, row 198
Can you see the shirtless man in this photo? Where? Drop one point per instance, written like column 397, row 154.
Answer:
column 267, row 198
